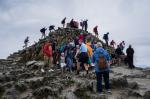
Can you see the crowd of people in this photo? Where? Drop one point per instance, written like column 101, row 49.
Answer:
column 84, row 53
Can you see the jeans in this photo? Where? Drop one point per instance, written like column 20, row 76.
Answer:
column 105, row 75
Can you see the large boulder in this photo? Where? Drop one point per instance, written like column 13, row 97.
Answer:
column 146, row 95
column 133, row 85
column 2, row 90
column 44, row 92
column 21, row 87
column 119, row 82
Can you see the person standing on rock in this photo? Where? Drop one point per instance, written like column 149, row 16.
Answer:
column 51, row 27
column 43, row 32
column 122, row 45
column 130, row 53
column 83, row 57
column 118, row 53
column 112, row 43
column 26, row 41
column 105, row 37
column 47, row 51
column 63, row 22
column 101, row 59
column 95, row 31
column 85, row 24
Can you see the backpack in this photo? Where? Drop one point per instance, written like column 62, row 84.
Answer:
column 102, row 62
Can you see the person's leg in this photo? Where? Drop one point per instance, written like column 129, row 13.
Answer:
column 50, row 61
column 99, row 82
column 86, row 67
column 107, row 42
column 106, row 80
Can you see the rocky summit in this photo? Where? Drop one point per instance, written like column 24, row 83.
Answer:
column 21, row 78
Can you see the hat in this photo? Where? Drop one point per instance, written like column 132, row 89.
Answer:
column 99, row 44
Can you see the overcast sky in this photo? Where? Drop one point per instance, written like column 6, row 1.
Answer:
column 125, row 19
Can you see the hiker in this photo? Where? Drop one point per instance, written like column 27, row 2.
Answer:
column 43, row 32
column 101, row 60
column 83, row 58
column 85, row 25
column 112, row 43
column 118, row 53
column 26, row 41
column 105, row 37
column 76, row 41
column 93, row 45
column 72, row 23
column 122, row 45
column 81, row 37
column 62, row 62
column 47, row 51
column 130, row 53
column 69, row 58
column 90, row 53
column 63, row 22
column 77, row 53
column 51, row 27
column 81, row 24
column 95, row 31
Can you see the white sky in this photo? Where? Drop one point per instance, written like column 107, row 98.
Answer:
column 125, row 19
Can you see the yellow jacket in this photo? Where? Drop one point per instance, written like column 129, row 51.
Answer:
column 90, row 50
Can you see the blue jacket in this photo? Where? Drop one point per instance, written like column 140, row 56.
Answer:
column 100, row 51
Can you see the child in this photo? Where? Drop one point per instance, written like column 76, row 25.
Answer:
column 62, row 62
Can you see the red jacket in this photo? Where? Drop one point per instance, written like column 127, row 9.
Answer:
column 47, row 50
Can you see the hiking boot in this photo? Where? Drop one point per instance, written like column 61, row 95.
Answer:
column 108, row 91
column 101, row 93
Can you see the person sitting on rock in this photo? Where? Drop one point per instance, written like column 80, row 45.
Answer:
column 47, row 51
column 43, row 32
column 101, row 60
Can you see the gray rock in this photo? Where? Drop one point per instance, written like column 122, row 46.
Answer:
column 134, row 93
column 21, row 87
column 39, row 63
column 45, row 91
column 146, row 95
column 70, row 95
column 133, row 85
column 12, row 94
column 120, row 82
column 2, row 90
column 30, row 63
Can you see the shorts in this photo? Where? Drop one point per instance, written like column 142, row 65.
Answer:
column 62, row 65
column 83, row 58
